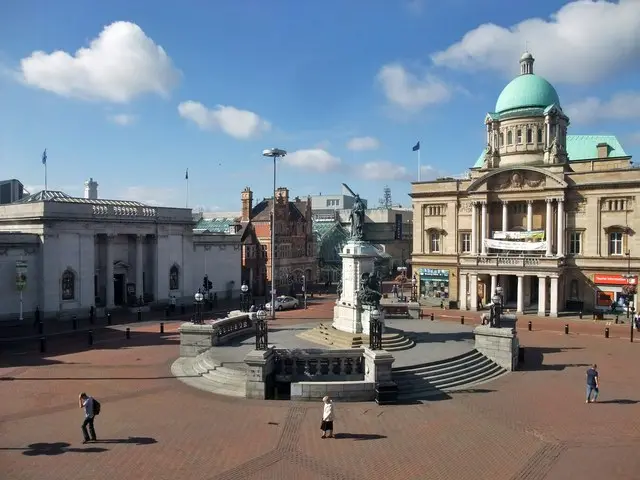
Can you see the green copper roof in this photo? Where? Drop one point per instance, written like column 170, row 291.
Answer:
column 215, row 225
column 527, row 91
column 583, row 147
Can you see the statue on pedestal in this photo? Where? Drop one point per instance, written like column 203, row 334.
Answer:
column 369, row 293
column 356, row 217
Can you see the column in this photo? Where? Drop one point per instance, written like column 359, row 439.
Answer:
column 463, row 291
column 483, row 228
column 529, row 215
column 474, row 228
column 548, row 232
column 520, row 302
column 542, row 296
column 553, row 307
column 505, row 216
column 473, row 292
column 139, row 266
column 560, row 241
column 494, row 285
column 109, row 271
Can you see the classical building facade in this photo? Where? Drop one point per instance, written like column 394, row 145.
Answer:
column 76, row 253
column 549, row 217
column 294, row 247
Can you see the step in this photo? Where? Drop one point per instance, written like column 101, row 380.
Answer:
column 443, row 373
column 225, row 377
column 425, row 393
column 440, row 381
column 204, row 363
column 444, row 369
column 431, row 366
column 473, row 378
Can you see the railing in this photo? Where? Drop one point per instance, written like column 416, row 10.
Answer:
column 227, row 328
column 511, row 261
column 308, row 365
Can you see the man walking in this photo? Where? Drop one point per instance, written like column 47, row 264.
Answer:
column 87, row 402
column 593, row 384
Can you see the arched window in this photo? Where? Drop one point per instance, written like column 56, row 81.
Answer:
column 509, row 137
column 502, row 139
column 529, row 135
column 519, row 136
column 174, row 278
column 68, row 285
column 539, row 135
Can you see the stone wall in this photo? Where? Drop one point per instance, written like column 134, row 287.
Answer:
column 358, row 391
column 499, row 345
column 195, row 339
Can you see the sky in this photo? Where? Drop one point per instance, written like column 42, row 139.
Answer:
column 132, row 94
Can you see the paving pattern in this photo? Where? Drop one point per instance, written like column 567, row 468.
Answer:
column 532, row 424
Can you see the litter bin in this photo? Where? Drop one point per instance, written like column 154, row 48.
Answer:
column 386, row 393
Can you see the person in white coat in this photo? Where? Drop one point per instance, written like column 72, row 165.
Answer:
column 327, row 418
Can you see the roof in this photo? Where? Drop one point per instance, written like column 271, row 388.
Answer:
column 321, row 229
column 582, row 147
column 262, row 211
column 61, row 197
column 527, row 91
column 215, row 225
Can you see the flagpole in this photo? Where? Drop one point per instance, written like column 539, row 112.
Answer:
column 186, row 177
column 45, row 176
column 419, row 164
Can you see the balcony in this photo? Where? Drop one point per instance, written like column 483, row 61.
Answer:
column 515, row 262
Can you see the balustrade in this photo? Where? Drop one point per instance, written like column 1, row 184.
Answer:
column 318, row 365
column 229, row 327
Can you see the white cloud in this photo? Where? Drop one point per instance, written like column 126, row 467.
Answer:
column 621, row 106
column 117, row 66
column 383, row 170
column 313, row 159
column 363, row 143
column 240, row 124
column 156, row 196
column 123, row 119
column 584, row 41
column 409, row 92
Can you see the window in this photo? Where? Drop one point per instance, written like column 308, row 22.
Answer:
column 502, row 139
column 615, row 243
column 573, row 290
column 174, row 278
column 529, row 135
column 539, row 135
column 615, row 205
column 519, row 136
column 465, row 241
column 519, row 208
column 435, row 242
column 509, row 137
column 575, row 243
column 434, row 210
column 264, row 251
column 68, row 285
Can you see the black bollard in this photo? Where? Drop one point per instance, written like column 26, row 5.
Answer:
column 617, row 319
column 566, row 329
column 606, row 332
column 442, row 305
column 90, row 337
column 530, row 325
column 161, row 327
column 462, row 320
column 594, row 315
column 139, row 315
column 43, row 344
column 580, row 314
column 432, row 317
column 74, row 322
column 127, row 333
column 108, row 319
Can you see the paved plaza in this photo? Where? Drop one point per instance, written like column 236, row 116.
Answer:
column 530, row 424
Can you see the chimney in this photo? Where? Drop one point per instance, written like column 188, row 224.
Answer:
column 603, row 150
column 91, row 189
column 247, row 204
column 283, row 192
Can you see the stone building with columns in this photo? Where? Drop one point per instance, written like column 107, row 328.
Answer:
column 549, row 217
column 81, row 252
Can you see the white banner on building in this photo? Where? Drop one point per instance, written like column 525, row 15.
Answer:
column 521, row 246
column 532, row 235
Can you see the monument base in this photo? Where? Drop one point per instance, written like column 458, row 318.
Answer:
column 347, row 318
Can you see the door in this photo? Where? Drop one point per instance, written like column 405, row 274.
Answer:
column 118, row 289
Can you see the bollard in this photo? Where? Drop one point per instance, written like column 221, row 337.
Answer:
column 127, row 333
column 432, row 317
column 43, row 344
column 40, row 328
column 606, row 332
column 74, row 322
column 529, row 325
column 580, row 314
column 108, row 319
column 617, row 319
column 90, row 337
column 139, row 315
column 161, row 327
column 462, row 320
column 566, row 329
column 594, row 315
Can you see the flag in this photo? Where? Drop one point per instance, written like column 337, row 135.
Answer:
column 416, row 147
column 44, row 157
column 186, row 175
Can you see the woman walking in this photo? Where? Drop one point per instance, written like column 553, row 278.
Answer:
column 327, row 418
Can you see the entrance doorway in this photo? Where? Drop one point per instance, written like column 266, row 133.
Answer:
column 118, row 289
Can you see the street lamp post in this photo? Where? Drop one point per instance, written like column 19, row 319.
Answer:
column 304, row 290
column 198, row 297
column 262, row 330
column 244, row 298
column 274, row 153
column 496, row 301
column 375, row 330
column 414, row 289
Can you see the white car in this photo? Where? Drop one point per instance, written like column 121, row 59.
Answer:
column 284, row 302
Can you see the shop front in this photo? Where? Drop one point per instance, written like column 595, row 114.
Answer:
column 614, row 291
column 434, row 283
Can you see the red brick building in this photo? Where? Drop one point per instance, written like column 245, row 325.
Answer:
column 294, row 248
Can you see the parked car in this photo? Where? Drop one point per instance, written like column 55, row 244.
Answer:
column 284, row 302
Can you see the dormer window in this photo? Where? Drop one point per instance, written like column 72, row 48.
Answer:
column 519, row 136
column 529, row 135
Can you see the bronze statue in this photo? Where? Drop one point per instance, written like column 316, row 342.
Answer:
column 369, row 293
column 356, row 217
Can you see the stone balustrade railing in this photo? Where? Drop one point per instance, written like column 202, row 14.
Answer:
column 195, row 339
column 230, row 327
column 304, row 365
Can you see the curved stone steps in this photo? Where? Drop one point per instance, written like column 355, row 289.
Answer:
column 454, row 374
column 332, row 338
column 204, row 373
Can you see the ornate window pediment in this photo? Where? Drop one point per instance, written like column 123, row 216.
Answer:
column 516, row 179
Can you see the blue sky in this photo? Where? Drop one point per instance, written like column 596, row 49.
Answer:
column 346, row 87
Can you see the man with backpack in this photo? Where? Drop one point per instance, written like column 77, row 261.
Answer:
column 91, row 408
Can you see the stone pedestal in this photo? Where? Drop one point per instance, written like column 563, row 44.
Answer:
column 260, row 365
column 498, row 344
column 377, row 366
column 195, row 339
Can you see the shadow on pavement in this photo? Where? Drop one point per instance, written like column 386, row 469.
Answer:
column 534, row 359
column 620, row 401
column 359, row 436
column 130, row 441
column 60, row 448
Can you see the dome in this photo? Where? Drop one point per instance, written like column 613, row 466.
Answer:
column 527, row 91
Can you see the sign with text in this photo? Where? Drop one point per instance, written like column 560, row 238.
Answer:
column 21, row 274
column 398, row 229
column 520, row 246
column 532, row 235
column 613, row 279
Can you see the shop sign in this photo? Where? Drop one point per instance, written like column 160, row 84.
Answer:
column 613, row 279
column 433, row 272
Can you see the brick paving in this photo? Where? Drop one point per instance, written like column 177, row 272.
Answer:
column 532, row 424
